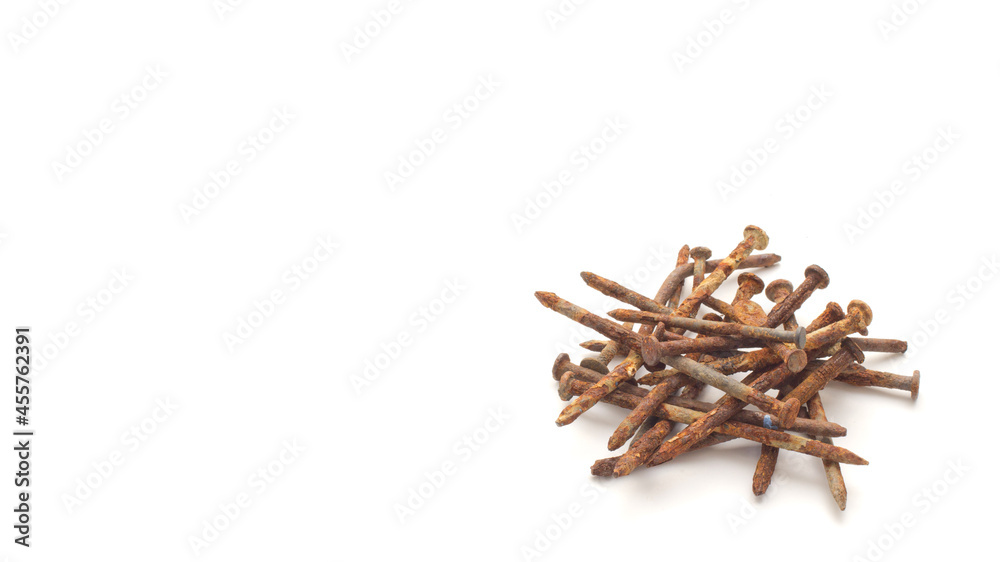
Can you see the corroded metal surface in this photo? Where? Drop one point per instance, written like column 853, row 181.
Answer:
column 771, row 348
column 834, row 476
column 606, row 467
column 749, row 285
column 727, row 405
column 777, row 291
column 881, row 345
column 768, row 459
column 589, row 319
column 750, row 313
column 765, row 469
column 709, row 327
column 859, row 376
column 779, row 439
column 784, row 412
column 643, row 410
column 800, row 424
column 816, row 278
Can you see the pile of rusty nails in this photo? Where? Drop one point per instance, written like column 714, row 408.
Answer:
column 737, row 337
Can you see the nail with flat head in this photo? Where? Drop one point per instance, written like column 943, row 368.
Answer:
column 776, row 292
column 857, row 375
column 595, row 345
column 700, row 254
column 682, row 258
column 859, row 316
column 677, row 276
column 563, row 364
column 826, row 373
column 816, row 278
column 607, row 354
column 749, row 285
column 831, row 313
column 753, row 239
column 709, row 327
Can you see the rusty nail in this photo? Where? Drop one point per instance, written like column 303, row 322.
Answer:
column 710, row 327
column 834, row 477
column 608, row 352
column 754, row 238
column 643, row 410
column 606, row 467
column 786, row 411
column 776, row 291
column 825, row 373
column 749, row 285
column 768, row 459
column 859, row 376
column 880, row 345
column 816, row 278
column 700, row 254
column 801, row 424
column 779, row 439
column 760, row 379
column 749, row 312
column 588, row 319
column 683, row 256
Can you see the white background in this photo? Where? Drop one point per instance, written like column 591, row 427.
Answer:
column 687, row 124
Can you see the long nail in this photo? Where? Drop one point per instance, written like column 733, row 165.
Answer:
column 785, row 412
column 606, row 467
column 623, row 372
column 834, row 477
column 766, row 463
column 859, row 376
column 777, row 291
column 627, row 428
column 678, row 275
column 768, row 459
column 588, row 319
column 608, row 353
column 752, row 417
column 753, row 239
column 816, row 278
column 711, row 328
column 881, row 345
column 759, row 434
column 623, row 294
